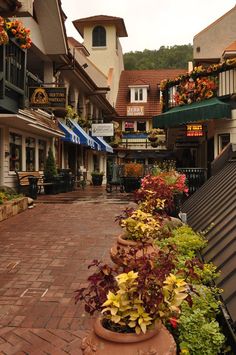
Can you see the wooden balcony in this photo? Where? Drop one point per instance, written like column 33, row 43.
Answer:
column 218, row 80
column 139, row 142
column 12, row 77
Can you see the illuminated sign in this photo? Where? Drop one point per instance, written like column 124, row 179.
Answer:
column 135, row 110
column 194, row 130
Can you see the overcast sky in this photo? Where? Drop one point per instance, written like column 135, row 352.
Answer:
column 150, row 23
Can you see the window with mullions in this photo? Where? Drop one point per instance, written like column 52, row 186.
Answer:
column 15, row 151
column 99, row 36
column 138, row 95
column 30, row 153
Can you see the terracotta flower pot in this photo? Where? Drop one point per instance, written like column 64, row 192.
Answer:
column 126, row 245
column 101, row 341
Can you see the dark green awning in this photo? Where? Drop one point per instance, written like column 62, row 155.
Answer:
column 198, row 111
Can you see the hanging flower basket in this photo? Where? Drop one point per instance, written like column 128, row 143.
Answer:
column 14, row 29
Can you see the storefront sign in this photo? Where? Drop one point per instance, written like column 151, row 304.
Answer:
column 129, row 124
column 102, row 130
column 47, row 97
column 194, row 130
column 135, row 110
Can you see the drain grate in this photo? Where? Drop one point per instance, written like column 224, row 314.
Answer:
column 31, row 292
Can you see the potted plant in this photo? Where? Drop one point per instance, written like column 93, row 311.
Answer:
column 132, row 175
column 50, row 174
column 140, row 230
column 97, row 177
column 168, row 186
column 132, row 306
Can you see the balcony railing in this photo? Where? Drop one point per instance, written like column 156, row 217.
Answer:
column 12, row 76
column 137, row 143
column 202, row 83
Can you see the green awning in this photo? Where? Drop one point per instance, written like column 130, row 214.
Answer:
column 198, row 111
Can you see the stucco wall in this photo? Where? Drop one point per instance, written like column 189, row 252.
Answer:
column 107, row 57
column 214, row 39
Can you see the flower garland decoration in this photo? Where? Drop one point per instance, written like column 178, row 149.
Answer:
column 14, row 29
column 197, row 85
column 189, row 91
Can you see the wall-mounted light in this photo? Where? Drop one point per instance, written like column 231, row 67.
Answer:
column 85, row 65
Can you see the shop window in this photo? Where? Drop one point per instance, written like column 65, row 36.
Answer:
column 99, row 36
column 15, row 152
column 129, row 126
column 30, row 153
column 41, row 154
column 141, row 126
column 223, row 140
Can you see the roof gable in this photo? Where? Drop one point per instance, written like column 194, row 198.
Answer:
column 152, row 78
column 118, row 22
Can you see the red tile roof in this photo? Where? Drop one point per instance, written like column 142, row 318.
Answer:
column 118, row 22
column 152, row 78
column 231, row 47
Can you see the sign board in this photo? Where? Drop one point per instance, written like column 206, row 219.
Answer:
column 53, row 97
column 135, row 110
column 194, row 130
column 102, row 129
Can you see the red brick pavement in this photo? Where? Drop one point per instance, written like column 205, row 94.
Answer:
column 44, row 255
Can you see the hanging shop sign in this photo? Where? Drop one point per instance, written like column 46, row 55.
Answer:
column 50, row 97
column 135, row 110
column 102, row 129
column 194, row 130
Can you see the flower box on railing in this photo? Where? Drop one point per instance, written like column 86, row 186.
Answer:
column 201, row 84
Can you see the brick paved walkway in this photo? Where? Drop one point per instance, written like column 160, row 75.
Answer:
column 44, row 254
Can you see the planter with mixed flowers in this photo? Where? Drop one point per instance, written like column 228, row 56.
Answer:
column 132, row 175
column 140, row 230
column 134, row 301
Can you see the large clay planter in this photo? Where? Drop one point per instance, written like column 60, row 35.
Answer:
column 126, row 245
column 101, row 341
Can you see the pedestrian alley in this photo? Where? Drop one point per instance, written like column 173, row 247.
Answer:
column 44, row 258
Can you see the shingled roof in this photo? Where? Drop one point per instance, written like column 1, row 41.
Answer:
column 214, row 206
column 152, row 78
column 118, row 22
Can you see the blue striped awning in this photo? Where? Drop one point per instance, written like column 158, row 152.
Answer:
column 85, row 138
column 70, row 136
column 104, row 145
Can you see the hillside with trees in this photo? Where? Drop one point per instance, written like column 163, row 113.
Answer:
column 163, row 58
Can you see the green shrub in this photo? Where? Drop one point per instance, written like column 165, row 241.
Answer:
column 199, row 332
column 50, row 170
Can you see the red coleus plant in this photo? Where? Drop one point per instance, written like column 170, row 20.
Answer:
column 162, row 187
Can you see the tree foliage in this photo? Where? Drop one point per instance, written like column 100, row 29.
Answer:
column 175, row 57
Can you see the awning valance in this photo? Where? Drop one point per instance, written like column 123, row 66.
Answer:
column 104, row 145
column 85, row 139
column 198, row 111
column 70, row 136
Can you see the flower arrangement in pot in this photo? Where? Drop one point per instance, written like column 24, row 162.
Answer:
column 140, row 230
column 169, row 186
column 133, row 304
column 132, row 175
